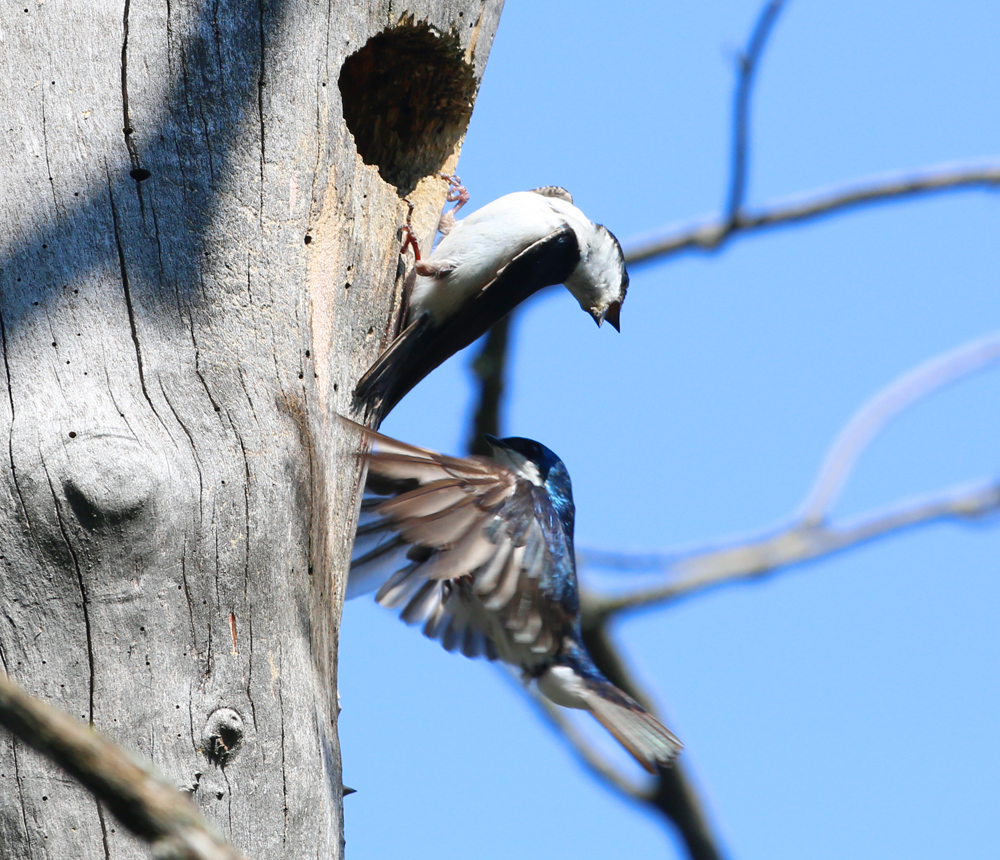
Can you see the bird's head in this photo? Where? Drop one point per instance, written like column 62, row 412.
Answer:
column 533, row 461
column 600, row 280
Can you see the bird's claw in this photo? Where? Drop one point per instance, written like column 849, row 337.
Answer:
column 457, row 194
column 409, row 238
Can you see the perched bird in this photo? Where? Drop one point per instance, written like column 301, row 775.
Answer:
column 485, row 266
column 479, row 551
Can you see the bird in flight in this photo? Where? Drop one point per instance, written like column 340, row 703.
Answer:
column 479, row 551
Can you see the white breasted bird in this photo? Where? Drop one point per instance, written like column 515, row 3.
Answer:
column 485, row 266
column 479, row 551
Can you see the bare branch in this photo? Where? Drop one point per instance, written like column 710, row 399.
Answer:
column 808, row 536
column 710, row 233
column 747, row 64
column 800, row 542
column 145, row 803
column 589, row 757
column 673, row 793
column 489, row 368
column 872, row 417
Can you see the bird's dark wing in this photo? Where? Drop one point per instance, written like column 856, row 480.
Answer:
column 382, row 380
column 421, row 347
column 463, row 546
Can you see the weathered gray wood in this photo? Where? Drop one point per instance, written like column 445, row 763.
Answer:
column 184, row 305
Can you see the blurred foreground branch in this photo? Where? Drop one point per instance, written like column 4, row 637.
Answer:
column 809, row 535
column 146, row 804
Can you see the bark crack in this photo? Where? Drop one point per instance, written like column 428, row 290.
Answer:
column 48, row 163
column 253, row 707
column 127, row 130
column 85, row 603
column 194, row 449
column 127, row 124
column 17, row 768
column 127, row 290
column 284, row 772
column 246, row 538
column 260, row 104
column 10, row 434
column 104, row 831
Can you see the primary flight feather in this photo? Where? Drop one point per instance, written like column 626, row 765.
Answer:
column 479, row 551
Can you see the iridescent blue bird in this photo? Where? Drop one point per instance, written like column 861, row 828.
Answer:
column 479, row 551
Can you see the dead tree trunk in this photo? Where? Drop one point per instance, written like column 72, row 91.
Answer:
column 199, row 258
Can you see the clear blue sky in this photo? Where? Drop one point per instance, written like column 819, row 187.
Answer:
column 848, row 708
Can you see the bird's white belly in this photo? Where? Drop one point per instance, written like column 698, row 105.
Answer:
column 479, row 246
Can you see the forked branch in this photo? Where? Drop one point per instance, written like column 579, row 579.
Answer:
column 809, row 534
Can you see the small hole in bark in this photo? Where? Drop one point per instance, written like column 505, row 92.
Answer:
column 222, row 736
column 407, row 98
column 140, row 174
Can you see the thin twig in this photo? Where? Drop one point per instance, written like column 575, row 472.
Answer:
column 145, row 803
column 755, row 557
column 746, row 67
column 673, row 793
column 872, row 417
column 589, row 757
column 807, row 536
column 710, row 233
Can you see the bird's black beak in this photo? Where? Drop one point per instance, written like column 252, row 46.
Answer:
column 494, row 442
column 613, row 315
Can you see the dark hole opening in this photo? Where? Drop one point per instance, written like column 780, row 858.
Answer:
column 407, row 98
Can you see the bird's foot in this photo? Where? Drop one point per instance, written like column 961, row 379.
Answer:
column 409, row 238
column 457, row 194
column 434, row 268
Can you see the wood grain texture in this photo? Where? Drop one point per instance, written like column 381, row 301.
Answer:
column 195, row 268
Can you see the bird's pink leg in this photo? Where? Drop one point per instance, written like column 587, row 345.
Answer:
column 409, row 239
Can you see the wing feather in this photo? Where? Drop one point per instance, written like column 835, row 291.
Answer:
column 460, row 547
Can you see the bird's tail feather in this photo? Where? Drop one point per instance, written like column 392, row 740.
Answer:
column 651, row 743
column 389, row 378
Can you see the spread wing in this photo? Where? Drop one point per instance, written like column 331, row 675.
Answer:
column 465, row 547
column 422, row 347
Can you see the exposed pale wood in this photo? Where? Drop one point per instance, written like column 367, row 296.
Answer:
column 173, row 352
